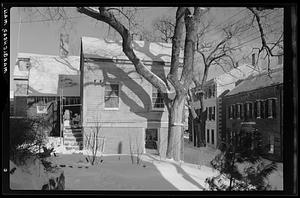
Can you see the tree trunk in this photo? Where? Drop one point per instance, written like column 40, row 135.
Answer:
column 175, row 129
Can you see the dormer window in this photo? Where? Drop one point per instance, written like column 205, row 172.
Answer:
column 24, row 64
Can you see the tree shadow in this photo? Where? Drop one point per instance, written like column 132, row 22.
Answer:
column 143, row 108
column 182, row 172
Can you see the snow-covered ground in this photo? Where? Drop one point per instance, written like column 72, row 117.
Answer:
column 117, row 172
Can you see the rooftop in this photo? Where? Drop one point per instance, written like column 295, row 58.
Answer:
column 261, row 80
column 107, row 49
column 44, row 72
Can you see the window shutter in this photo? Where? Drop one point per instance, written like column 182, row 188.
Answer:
column 207, row 113
column 256, row 109
column 207, row 134
column 263, row 109
column 251, row 110
column 266, row 106
column 212, row 136
column 214, row 113
column 242, row 111
column 274, row 107
column 260, row 108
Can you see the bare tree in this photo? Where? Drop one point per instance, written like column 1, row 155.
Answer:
column 267, row 47
column 94, row 144
column 174, row 99
column 185, row 27
column 165, row 27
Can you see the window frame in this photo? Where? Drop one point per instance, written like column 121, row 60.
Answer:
column 230, row 113
column 112, row 108
column 212, row 136
column 258, row 109
column 249, row 110
column 272, row 114
column 152, row 104
column 207, row 136
column 43, row 111
column 238, row 111
column 253, row 59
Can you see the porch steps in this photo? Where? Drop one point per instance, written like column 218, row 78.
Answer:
column 73, row 138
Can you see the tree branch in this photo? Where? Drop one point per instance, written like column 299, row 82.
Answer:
column 107, row 17
column 173, row 75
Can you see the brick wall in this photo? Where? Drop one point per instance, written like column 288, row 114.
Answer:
column 267, row 126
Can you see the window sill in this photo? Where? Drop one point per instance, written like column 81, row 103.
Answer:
column 111, row 109
column 154, row 109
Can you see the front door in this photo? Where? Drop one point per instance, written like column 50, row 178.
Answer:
column 151, row 141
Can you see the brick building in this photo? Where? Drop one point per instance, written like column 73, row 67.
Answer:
column 257, row 99
column 129, row 111
column 207, row 133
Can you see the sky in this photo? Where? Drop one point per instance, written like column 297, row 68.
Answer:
column 42, row 37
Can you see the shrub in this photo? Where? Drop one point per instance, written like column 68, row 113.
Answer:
column 27, row 138
column 239, row 150
column 94, row 144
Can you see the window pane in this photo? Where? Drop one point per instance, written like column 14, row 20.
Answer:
column 262, row 109
column 112, row 102
column 111, row 96
column 242, row 111
column 157, row 99
column 274, row 108
column 212, row 136
column 207, row 135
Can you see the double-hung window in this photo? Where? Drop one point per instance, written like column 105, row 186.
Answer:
column 230, row 111
column 157, row 99
column 249, row 109
column 207, row 136
column 111, row 96
column 258, row 109
column 213, row 136
column 271, row 111
column 239, row 106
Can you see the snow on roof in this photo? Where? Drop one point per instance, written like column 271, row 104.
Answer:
column 259, row 81
column 236, row 74
column 44, row 71
column 108, row 49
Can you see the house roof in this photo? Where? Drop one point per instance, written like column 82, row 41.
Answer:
column 44, row 71
column 107, row 49
column 254, row 82
column 236, row 74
